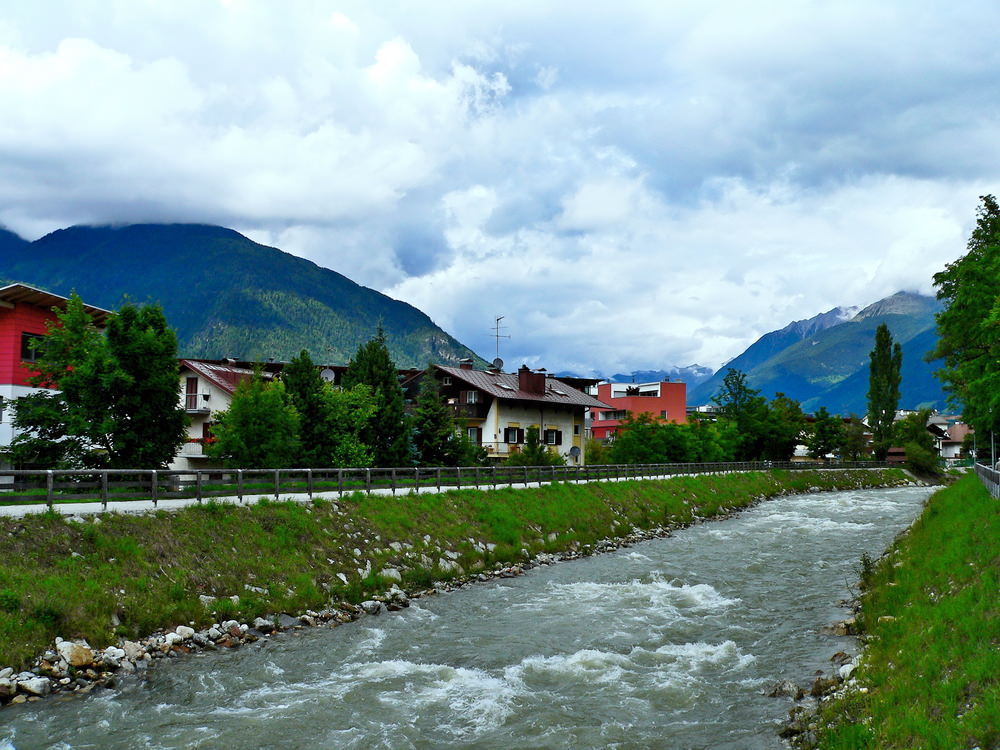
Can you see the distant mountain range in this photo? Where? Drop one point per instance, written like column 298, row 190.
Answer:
column 823, row 361
column 226, row 295
column 692, row 375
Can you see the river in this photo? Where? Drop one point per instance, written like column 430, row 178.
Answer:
column 666, row 644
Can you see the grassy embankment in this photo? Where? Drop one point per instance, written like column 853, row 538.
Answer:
column 931, row 609
column 119, row 575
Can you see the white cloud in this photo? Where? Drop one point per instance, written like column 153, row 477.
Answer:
column 633, row 186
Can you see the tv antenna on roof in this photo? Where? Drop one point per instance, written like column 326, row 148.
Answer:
column 497, row 333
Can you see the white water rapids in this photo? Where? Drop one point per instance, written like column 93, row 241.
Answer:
column 667, row 644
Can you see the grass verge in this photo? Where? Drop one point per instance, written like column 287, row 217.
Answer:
column 116, row 576
column 930, row 610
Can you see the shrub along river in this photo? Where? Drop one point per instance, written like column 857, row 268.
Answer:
column 669, row 643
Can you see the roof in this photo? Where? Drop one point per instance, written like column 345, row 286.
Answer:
column 225, row 376
column 14, row 294
column 505, row 385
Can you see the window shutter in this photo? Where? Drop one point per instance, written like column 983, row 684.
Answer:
column 520, row 435
column 558, row 437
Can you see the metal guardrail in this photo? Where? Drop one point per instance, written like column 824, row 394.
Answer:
column 990, row 478
column 57, row 486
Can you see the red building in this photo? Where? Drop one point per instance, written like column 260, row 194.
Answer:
column 24, row 311
column 666, row 401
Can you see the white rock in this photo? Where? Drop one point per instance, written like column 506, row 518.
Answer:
column 114, row 652
column 342, row 577
column 206, row 600
column 846, row 670
column 184, row 631
column 371, row 607
column 391, row 574
column 172, row 639
column 76, row 653
column 132, row 649
column 6, row 672
column 34, row 686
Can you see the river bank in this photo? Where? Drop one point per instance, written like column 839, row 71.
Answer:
column 113, row 580
column 929, row 619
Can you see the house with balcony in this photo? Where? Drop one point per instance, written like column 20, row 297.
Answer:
column 206, row 387
column 663, row 400
column 24, row 313
column 497, row 408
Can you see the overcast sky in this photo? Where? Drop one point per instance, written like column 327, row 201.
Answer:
column 633, row 185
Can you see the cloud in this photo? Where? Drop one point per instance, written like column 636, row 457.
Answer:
column 633, row 186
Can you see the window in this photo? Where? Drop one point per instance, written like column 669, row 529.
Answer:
column 446, row 380
column 553, row 437
column 576, row 429
column 471, row 397
column 663, row 414
column 475, row 435
column 28, row 343
column 191, row 393
column 513, row 435
column 3, row 403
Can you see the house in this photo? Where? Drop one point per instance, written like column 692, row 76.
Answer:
column 206, row 387
column 499, row 407
column 663, row 400
column 24, row 312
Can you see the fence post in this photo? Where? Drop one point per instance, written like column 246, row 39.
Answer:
column 392, row 481
column 494, row 476
column 104, row 489
column 48, row 487
column 458, row 475
column 477, row 477
column 438, row 472
column 525, row 476
column 416, row 479
column 239, row 484
column 340, row 482
column 309, row 482
column 152, row 482
column 197, row 482
column 368, row 481
column 276, row 480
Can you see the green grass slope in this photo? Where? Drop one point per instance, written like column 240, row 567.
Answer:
column 227, row 295
column 930, row 673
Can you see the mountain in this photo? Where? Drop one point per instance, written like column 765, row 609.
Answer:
column 826, row 363
column 226, row 295
column 770, row 345
column 692, row 375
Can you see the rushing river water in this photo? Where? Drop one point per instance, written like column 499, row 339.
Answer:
column 666, row 644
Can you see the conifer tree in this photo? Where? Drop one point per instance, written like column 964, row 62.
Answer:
column 387, row 433
column 434, row 426
column 886, row 360
column 826, row 436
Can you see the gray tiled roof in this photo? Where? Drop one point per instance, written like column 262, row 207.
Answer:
column 505, row 385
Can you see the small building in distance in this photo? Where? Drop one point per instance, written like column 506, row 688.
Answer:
column 663, row 400
column 24, row 312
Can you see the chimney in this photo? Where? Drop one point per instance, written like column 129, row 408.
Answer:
column 465, row 364
column 532, row 382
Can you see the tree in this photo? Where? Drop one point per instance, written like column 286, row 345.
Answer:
column 969, row 326
column 884, row 378
column 260, row 428
column 855, row 439
column 783, row 426
column 387, row 433
column 534, row 453
column 117, row 401
column 434, row 435
column 745, row 408
column 911, row 433
column 826, row 436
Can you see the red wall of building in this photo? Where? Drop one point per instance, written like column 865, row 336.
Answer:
column 672, row 400
column 13, row 322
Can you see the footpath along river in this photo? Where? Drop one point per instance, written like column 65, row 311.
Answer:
column 667, row 644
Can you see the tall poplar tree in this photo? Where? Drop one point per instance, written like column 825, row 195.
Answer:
column 886, row 360
column 387, row 433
